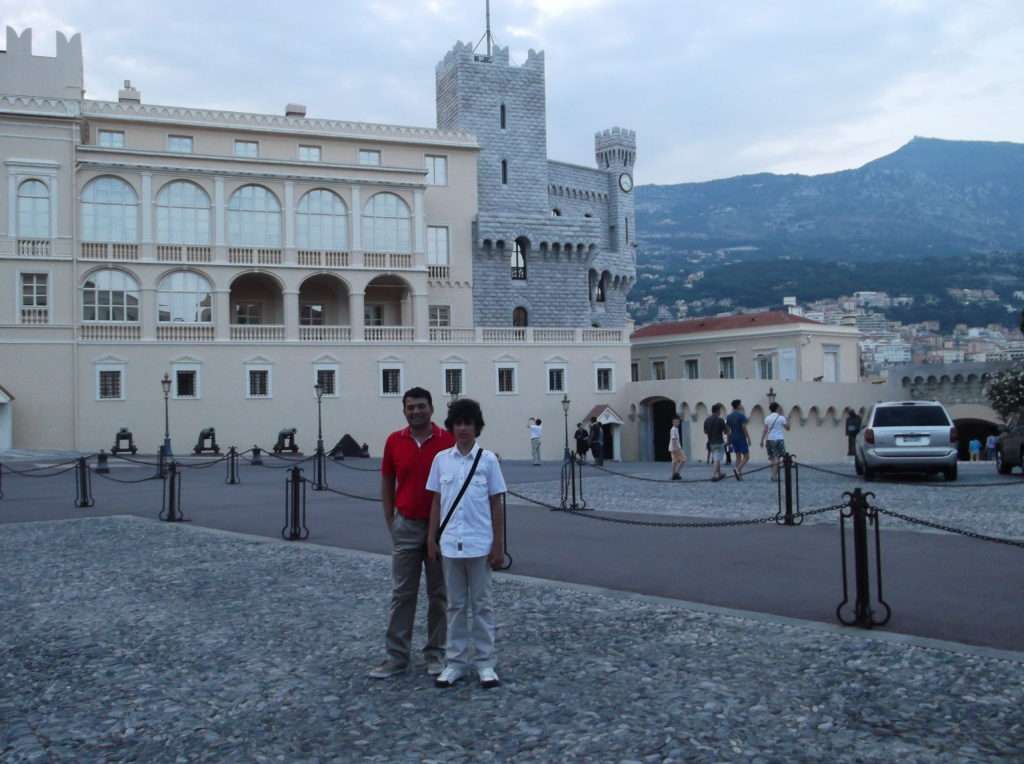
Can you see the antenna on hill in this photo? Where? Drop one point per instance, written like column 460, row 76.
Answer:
column 487, row 34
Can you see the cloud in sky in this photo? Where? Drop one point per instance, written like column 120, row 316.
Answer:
column 712, row 89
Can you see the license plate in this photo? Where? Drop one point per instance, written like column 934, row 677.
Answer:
column 912, row 441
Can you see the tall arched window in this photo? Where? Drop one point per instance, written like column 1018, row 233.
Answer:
column 520, row 317
column 504, row 114
column 182, row 214
column 386, row 224
column 602, row 287
column 33, row 210
column 321, row 221
column 504, row 172
column 185, row 297
column 109, row 211
column 519, row 260
column 110, row 295
column 254, row 218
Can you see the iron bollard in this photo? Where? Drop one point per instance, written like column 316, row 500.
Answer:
column 1, row 480
column 102, row 463
column 506, row 560
column 160, row 465
column 787, row 466
column 320, row 469
column 861, row 514
column 232, row 478
column 256, row 460
column 295, row 507
column 171, row 512
column 83, row 484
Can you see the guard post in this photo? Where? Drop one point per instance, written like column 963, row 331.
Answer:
column 102, row 463
column 257, row 459
column 171, row 512
column 83, row 484
column 295, row 506
column 861, row 514
column 232, row 476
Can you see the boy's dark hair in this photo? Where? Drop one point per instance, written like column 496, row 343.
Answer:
column 464, row 410
column 579, row 424
column 417, row 392
column 593, row 419
column 716, row 408
column 773, row 407
column 538, row 421
column 737, row 403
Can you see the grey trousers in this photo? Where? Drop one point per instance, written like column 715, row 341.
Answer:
column 535, row 449
column 470, row 639
column 408, row 557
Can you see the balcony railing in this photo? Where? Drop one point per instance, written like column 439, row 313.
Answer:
column 182, row 253
column 110, row 332
column 35, row 316
column 602, row 335
column 33, row 247
column 101, row 250
column 254, row 256
column 257, row 332
column 448, row 336
column 389, row 333
column 316, row 258
column 325, row 333
column 503, row 335
column 438, row 272
column 185, row 332
column 387, row 260
column 555, row 336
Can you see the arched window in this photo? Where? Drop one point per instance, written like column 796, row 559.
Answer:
column 33, row 210
column 602, row 287
column 185, row 297
column 592, row 281
column 520, row 317
column 386, row 224
column 518, row 261
column 110, row 295
column 504, row 172
column 254, row 218
column 182, row 214
column 321, row 221
column 109, row 211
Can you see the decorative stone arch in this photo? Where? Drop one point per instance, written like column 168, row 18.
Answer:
column 332, row 293
column 112, row 267
column 393, row 294
column 656, row 416
column 185, row 269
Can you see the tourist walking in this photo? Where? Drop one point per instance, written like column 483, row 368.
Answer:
column 774, row 437
column 739, row 437
column 596, row 441
column 990, row 447
column 675, row 448
column 467, row 487
column 536, row 431
column 582, row 438
column 717, row 431
column 853, row 425
column 408, row 455
column 974, row 446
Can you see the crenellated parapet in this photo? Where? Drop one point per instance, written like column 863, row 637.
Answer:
column 24, row 73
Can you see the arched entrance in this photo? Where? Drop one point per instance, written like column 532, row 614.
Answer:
column 663, row 411
column 970, row 429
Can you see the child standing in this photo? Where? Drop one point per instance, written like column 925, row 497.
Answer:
column 472, row 542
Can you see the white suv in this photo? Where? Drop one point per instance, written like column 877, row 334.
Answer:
column 907, row 436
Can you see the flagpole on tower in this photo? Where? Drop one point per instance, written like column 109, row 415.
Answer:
column 488, row 37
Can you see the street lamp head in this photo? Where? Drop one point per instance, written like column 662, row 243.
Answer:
column 318, row 389
column 565, row 404
column 165, row 383
column 771, row 395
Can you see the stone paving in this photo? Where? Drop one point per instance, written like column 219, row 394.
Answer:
column 972, row 503
column 130, row 640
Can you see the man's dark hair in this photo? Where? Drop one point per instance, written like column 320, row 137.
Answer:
column 716, row 408
column 593, row 419
column 579, row 424
column 538, row 421
column 773, row 407
column 464, row 410
column 417, row 392
column 737, row 403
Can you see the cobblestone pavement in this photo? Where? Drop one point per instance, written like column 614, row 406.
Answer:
column 129, row 640
column 973, row 503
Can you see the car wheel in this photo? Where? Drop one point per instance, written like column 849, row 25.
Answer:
column 1001, row 466
column 869, row 473
column 950, row 473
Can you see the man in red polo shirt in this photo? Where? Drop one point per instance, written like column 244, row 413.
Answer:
column 404, row 469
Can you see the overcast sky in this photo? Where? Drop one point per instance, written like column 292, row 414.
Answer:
column 712, row 88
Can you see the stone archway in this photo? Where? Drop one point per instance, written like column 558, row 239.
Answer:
column 662, row 412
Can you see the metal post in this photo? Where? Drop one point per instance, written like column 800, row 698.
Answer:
column 257, row 460
column 861, row 514
column 171, row 510
column 83, row 484
column 102, row 463
column 1, row 480
column 295, row 507
column 232, row 478
column 160, row 466
column 787, row 464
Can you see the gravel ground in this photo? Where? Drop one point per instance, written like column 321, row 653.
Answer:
column 972, row 503
column 129, row 640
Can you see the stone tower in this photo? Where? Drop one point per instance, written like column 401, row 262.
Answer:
column 549, row 249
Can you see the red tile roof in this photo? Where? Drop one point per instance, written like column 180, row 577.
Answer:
column 721, row 324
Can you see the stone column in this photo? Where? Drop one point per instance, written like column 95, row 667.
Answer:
column 147, row 217
column 12, row 205
column 420, row 316
column 357, row 231
column 148, row 308
column 356, row 301
column 291, row 316
column 290, row 256
column 419, row 229
column 220, row 253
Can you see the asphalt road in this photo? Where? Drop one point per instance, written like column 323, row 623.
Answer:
column 939, row 586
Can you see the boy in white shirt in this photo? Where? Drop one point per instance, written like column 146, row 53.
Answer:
column 775, row 426
column 472, row 542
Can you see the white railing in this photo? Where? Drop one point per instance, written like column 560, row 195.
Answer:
column 96, row 250
column 602, row 335
column 254, row 256
column 542, row 335
column 503, row 335
column 389, row 333
column 448, row 336
column 438, row 272
column 110, row 332
column 35, row 316
column 387, row 260
column 257, row 332
column 33, row 247
column 185, row 332
column 179, row 253
column 336, row 259
column 325, row 333
column 315, row 258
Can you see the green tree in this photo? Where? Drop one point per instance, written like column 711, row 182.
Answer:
column 1006, row 391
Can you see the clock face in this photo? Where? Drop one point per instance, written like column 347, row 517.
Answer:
column 626, row 182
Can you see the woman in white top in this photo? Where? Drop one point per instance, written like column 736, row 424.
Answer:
column 675, row 449
column 775, row 426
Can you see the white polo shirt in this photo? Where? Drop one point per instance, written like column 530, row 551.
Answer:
column 469, row 532
column 536, row 431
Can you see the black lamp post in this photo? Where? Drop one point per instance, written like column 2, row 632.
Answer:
column 319, row 465
column 771, row 395
column 565, row 414
column 569, row 495
column 165, row 383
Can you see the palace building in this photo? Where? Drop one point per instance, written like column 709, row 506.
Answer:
column 251, row 255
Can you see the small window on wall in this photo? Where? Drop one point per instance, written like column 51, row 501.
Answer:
column 658, row 369
column 507, row 384
column 111, row 139
column 634, row 372
column 453, row 381
column 605, row 379
column 248, row 313
column 692, row 368
column 309, row 153
column 390, row 381
column 440, row 316
column 504, row 172
column 556, row 379
column 726, row 368
column 437, row 170
column 110, row 384
column 763, row 367
column 520, row 318
column 503, row 116
column 179, row 144
column 373, row 315
column 327, row 378
column 247, row 149
column 518, row 261
column 186, row 383
column 258, row 383
column 369, row 157
column 311, row 314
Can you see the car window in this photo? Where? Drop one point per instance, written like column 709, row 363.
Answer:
column 911, row 416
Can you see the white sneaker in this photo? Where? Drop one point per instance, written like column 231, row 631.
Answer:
column 435, row 665
column 449, row 677
column 489, row 678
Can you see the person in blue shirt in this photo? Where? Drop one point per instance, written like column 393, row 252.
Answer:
column 739, row 437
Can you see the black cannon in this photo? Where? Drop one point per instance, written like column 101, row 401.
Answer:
column 286, row 441
column 207, row 443
column 124, row 435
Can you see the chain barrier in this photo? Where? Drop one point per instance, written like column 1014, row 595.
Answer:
column 669, row 480
column 947, row 528
column 346, row 465
column 883, row 480
column 206, row 464
column 134, row 461
column 31, row 473
column 804, row 465
column 126, row 482
column 351, row 495
column 45, row 466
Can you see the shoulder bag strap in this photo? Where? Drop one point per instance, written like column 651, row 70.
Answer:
column 465, row 485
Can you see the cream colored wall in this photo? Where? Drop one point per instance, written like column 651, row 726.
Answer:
column 40, row 376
